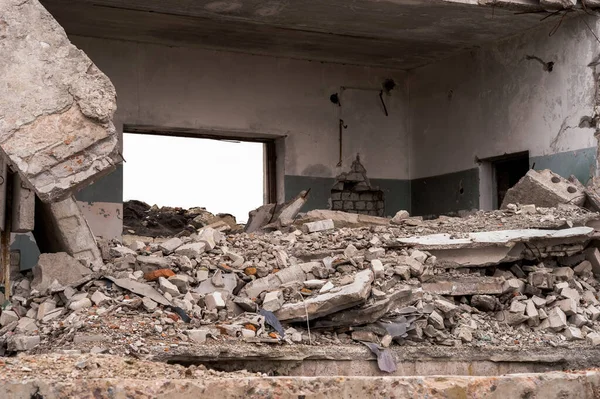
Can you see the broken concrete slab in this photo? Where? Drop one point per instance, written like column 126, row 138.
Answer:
column 61, row 227
column 140, row 289
column 60, row 267
column 322, row 305
column 170, row 245
column 207, row 286
column 465, row 286
column 56, row 129
column 320, row 225
column 273, row 216
column 191, row 250
column 18, row 343
column 372, row 312
column 295, row 273
column 544, row 188
column 493, row 247
column 343, row 219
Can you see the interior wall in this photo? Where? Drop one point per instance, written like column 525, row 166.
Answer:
column 493, row 101
column 282, row 98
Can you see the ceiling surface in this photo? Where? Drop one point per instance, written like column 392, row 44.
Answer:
column 401, row 34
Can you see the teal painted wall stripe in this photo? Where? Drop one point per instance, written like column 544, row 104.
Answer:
column 580, row 163
column 320, row 190
column 397, row 192
column 108, row 188
column 445, row 194
column 28, row 248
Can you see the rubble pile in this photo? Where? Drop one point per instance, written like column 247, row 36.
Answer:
column 141, row 219
column 316, row 284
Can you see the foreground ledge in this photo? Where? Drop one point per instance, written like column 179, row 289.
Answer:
column 584, row 384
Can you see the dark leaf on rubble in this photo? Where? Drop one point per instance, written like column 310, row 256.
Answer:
column 181, row 313
column 272, row 320
column 395, row 329
column 385, row 359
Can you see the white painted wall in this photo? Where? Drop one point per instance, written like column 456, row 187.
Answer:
column 492, row 101
column 201, row 89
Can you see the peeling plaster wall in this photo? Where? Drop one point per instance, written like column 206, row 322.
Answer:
column 262, row 96
column 493, row 101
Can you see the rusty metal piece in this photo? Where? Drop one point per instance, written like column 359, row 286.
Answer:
column 5, row 238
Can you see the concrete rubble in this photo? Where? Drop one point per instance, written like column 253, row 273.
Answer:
column 385, row 284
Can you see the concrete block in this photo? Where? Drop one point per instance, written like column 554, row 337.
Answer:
column 273, row 301
column 513, row 285
column 198, row 336
column 19, row 343
column 99, row 299
column 320, row 225
column 214, row 300
column 517, row 307
column 23, row 207
column 45, row 308
column 192, row 250
column 593, row 338
column 170, row 245
column 374, row 253
column 571, row 293
column 7, row 317
column 181, row 281
column 557, row 319
column 209, row 237
column 569, row 306
column 60, row 267
column 544, row 189
column 563, row 273
column 120, row 251
column 583, row 268
column 577, row 320
column 486, row 303
column 81, row 304
column 61, row 227
column 399, row 217
column 541, row 279
column 532, row 313
column 436, row 320
column 166, row 286
column 572, row 333
column 593, row 256
column 378, row 269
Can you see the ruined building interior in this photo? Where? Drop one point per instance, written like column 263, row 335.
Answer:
column 431, row 198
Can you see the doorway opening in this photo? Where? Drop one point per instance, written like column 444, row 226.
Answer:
column 223, row 174
column 498, row 174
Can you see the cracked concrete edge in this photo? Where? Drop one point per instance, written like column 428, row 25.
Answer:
column 581, row 384
column 57, row 130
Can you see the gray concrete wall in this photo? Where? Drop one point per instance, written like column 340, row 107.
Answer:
column 261, row 96
column 492, row 101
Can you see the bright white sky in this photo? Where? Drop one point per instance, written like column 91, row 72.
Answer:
column 221, row 176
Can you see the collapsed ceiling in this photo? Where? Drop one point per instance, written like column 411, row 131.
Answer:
column 401, row 34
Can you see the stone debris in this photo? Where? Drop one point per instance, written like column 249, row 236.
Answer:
column 544, row 189
column 276, row 216
column 352, row 284
column 141, row 219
